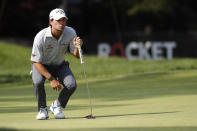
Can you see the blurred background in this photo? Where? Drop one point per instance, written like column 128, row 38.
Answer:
column 113, row 22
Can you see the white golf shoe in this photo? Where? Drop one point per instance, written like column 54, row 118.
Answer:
column 57, row 110
column 43, row 114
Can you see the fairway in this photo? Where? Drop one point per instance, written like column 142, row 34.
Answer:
column 127, row 95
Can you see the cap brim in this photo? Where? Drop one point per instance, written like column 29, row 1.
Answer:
column 59, row 17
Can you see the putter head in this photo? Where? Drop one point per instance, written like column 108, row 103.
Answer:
column 90, row 117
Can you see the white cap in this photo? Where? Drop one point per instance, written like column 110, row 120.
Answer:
column 57, row 13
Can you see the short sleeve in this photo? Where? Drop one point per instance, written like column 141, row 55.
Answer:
column 71, row 45
column 37, row 51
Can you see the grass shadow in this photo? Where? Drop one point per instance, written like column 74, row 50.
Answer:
column 8, row 129
column 121, row 115
column 10, row 78
column 158, row 128
column 21, row 109
column 140, row 86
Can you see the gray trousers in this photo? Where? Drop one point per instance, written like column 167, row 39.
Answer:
column 64, row 75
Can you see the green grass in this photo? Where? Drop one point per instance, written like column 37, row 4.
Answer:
column 127, row 95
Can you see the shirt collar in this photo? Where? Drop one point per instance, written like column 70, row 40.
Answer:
column 48, row 32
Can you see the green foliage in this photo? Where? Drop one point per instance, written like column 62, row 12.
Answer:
column 148, row 6
column 135, row 7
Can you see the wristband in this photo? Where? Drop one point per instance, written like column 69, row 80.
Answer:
column 51, row 78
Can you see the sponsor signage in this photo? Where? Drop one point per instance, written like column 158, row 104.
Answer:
column 138, row 50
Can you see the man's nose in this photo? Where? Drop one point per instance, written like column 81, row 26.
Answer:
column 61, row 22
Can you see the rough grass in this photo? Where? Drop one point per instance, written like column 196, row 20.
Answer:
column 127, row 95
column 16, row 65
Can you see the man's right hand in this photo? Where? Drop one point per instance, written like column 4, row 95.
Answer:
column 55, row 85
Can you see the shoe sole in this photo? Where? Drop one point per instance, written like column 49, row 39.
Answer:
column 60, row 118
column 43, row 118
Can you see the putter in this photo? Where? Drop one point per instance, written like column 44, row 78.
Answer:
column 82, row 62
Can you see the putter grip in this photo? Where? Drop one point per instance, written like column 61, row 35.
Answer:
column 80, row 54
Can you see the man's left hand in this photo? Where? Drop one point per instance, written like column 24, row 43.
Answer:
column 77, row 41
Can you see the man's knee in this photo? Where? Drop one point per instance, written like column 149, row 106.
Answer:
column 71, row 85
column 37, row 78
column 38, row 83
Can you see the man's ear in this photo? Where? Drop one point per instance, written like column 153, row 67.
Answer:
column 50, row 21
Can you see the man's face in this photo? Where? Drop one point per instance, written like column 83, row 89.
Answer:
column 58, row 24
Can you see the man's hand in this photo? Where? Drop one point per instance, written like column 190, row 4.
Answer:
column 77, row 41
column 55, row 85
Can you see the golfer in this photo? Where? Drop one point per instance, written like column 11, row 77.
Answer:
column 49, row 48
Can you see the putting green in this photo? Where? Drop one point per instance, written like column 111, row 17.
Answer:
column 152, row 101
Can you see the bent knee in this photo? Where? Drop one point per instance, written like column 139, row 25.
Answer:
column 70, row 83
column 38, row 80
column 72, row 86
column 38, row 84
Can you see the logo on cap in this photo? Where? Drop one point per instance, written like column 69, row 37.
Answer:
column 59, row 11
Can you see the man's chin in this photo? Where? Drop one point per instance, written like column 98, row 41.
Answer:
column 60, row 29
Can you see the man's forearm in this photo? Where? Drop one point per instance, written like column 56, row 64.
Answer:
column 42, row 70
column 76, row 52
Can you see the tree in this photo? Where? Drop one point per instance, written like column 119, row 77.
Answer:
column 150, row 6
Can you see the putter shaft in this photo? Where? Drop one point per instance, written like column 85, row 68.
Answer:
column 88, row 90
